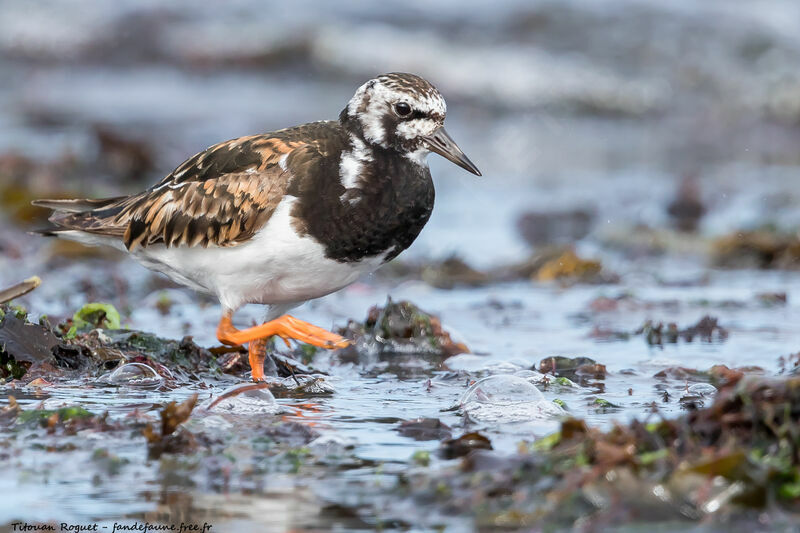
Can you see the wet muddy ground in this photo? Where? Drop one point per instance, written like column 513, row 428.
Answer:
column 625, row 279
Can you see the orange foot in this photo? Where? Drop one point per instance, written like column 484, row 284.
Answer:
column 286, row 327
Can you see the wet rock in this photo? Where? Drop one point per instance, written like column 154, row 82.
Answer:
column 292, row 386
column 100, row 351
column 23, row 344
column 772, row 299
column 573, row 368
column 757, row 249
column 529, row 268
column 424, row 429
column 183, row 356
column 72, row 356
column 722, row 376
column 555, row 227
column 681, row 373
column 555, row 263
column 687, row 208
column 461, row 446
column 399, row 327
column 641, row 240
column 39, row 383
column 233, row 361
column 716, row 376
column 286, row 366
column 568, row 266
column 453, row 272
column 291, row 433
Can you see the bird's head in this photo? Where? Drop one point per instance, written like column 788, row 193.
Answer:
column 403, row 112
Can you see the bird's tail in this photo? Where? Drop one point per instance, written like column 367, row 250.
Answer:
column 73, row 215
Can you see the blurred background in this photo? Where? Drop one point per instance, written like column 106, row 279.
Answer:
column 637, row 129
column 639, row 207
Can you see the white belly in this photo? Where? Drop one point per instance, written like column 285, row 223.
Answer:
column 276, row 266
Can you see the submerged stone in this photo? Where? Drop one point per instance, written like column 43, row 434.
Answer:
column 464, row 444
column 424, row 429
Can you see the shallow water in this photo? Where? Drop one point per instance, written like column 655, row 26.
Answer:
column 622, row 116
column 368, row 402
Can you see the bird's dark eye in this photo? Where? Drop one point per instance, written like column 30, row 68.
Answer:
column 402, row 109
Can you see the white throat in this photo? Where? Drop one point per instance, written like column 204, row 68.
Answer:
column 351, row 166
column 419, row 156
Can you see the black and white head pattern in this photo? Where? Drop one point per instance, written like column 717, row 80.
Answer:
column 396, row 111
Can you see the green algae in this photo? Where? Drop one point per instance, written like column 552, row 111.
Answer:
column 64, row 414
column 96, row 315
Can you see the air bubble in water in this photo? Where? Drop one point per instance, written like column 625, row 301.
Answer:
column 245, row 399
column 507, row 398
column 702, row 389
column 135, row 375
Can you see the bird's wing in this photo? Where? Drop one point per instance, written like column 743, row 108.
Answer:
column 220, row 196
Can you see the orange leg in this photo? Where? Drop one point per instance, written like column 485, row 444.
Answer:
column 257, row 350
column 286, row 327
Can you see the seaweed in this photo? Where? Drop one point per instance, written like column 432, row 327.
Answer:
column 763, row 248
column 169, row 439
column 23, row 345
column 740, row 453
column 96, row 315
column 707, row 329
column 400, row 327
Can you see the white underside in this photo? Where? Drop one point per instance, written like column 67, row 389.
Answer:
column 276, row 267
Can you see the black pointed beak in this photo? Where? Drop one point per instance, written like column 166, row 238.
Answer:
column 441, row 143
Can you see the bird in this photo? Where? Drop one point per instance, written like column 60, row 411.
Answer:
column 287, row 216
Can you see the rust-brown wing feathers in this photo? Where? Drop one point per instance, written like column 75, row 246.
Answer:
column 221, row 196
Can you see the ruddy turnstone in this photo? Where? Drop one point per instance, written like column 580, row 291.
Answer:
column 287, row 216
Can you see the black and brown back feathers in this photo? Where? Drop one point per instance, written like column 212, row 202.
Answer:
column 220, row 196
